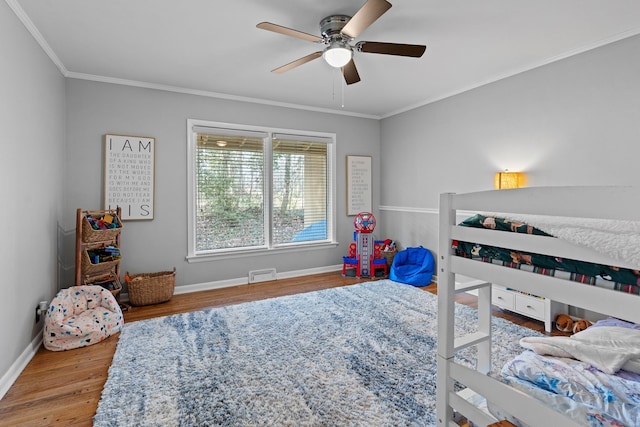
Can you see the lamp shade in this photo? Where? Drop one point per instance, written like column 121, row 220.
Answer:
column 505, row 180
column 337, row 55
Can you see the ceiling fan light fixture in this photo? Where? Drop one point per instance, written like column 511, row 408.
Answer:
column 338, row 54
column 338, row 31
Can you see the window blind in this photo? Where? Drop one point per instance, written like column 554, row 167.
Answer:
column 299, row 189
column 230, row 192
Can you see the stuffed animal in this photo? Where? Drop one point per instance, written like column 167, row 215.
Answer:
column 564, row 323
column 389, row 245
column 580, row 325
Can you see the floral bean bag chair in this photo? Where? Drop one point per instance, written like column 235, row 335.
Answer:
column 80, row 316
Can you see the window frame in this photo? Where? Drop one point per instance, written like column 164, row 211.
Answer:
column 198, row 256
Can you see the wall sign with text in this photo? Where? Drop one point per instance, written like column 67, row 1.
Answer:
column 129, row 175
column 358, row 184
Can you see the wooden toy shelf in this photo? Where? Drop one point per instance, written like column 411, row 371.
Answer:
column 89, row 270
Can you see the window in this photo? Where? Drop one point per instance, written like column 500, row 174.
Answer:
column 254, row 189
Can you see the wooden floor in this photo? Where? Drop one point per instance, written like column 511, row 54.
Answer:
column 63, row 388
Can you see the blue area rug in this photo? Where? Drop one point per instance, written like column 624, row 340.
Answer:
column 361, row 355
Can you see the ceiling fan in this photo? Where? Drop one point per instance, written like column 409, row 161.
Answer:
column 338, row 32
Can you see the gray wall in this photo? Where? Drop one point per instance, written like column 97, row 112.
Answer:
column 573, row 122
column 95, row 109
column 32, row 120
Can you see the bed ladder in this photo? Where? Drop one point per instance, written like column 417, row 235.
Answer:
column 481, row 338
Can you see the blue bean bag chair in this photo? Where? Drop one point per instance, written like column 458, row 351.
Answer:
column 413, row 266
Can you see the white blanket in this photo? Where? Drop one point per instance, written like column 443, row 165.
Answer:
column 618, row 239
column 607, row 348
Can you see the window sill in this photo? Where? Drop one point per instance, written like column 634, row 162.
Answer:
column 257, row 252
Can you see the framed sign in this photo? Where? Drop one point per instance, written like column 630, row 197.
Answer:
column 358, row 184
column 129, row 175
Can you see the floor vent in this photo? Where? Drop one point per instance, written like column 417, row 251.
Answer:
column 262, row 275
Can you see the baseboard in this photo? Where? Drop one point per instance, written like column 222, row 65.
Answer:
column 18, row 366
column 207, row 286
column 309, row 271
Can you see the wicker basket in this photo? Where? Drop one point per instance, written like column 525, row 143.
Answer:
column 389, row 255
column 91, row 269
column 89, row 235
column 150, row 288
column 111, row 282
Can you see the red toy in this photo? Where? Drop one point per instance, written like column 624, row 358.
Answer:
column 364, row 255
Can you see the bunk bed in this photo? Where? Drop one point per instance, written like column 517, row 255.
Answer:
column 482, row 395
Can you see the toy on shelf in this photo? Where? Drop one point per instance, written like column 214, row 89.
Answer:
column 365, row 254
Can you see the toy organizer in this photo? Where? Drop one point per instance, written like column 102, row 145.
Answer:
column 98, row 248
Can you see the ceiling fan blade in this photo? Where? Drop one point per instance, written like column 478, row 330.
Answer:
column 413, row 50
column 297, row 62
column 367, row 15
column 288, row 31
column 350, row 73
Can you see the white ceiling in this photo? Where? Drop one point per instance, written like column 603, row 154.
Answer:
column 213, row 46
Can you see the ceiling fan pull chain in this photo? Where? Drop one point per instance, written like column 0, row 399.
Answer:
column 342, row 85
column 333, row 84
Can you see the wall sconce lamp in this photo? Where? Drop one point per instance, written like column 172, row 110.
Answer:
column 506, row 179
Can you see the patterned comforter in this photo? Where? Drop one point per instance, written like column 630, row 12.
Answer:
column 585, row 394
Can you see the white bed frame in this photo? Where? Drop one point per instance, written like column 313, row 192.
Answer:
column 619, row 203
